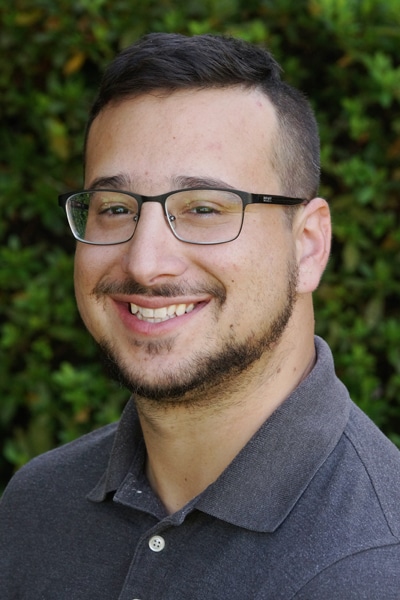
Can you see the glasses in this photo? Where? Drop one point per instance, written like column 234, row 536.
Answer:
column 195, row 215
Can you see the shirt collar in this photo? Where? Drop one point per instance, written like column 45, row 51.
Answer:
column 263, row 483
column 128, row 448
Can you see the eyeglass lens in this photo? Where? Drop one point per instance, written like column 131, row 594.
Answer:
column 198, row 216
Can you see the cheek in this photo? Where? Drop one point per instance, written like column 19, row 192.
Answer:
column 261, row 279
column 91, row 265
column 82, row 284
column 84, row 269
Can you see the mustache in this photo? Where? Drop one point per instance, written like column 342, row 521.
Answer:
column 131, row 287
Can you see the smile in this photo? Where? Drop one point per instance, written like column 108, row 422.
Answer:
column 158, row 315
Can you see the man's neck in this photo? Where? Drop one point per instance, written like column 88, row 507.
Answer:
column 188, row 447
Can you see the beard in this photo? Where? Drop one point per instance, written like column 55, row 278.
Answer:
column 196, row 379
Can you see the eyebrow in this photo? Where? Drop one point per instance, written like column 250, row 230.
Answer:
column 184, row 181
column 123, row 182
column 120, row 181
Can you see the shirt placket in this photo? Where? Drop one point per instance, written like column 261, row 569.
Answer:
column 149, row 566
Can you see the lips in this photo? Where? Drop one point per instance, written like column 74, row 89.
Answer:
column 158, row 315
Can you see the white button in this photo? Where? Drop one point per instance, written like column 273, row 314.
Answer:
column 156, row 543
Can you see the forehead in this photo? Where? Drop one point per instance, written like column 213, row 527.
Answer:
column 224, row 132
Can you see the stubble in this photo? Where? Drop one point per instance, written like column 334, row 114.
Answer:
column 204, row 375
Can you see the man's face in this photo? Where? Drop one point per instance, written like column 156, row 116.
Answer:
column 227, row 305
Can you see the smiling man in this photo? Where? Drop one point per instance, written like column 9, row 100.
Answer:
column 240, row 467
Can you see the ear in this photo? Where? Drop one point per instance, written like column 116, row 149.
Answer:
column 313, row 243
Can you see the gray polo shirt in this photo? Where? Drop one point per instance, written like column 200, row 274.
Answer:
column 309, row 509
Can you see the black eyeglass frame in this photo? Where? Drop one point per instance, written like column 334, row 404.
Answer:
column 246, row 197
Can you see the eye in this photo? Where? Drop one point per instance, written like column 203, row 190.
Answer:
column 106, row 204
column 115, row 210
column 203, row 209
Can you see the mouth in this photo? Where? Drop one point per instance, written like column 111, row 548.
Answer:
column 158, row 315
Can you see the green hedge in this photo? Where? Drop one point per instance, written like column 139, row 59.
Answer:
column 343, row 53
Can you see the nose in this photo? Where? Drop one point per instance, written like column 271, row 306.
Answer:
column 154, row 253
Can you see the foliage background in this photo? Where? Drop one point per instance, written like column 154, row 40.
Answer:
column 344, row 54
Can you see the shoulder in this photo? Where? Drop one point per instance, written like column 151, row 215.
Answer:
column 82, row 461
column 45, row 514
column 373, row 574
column 354, row 535
column 380, row 459
column 360, row 482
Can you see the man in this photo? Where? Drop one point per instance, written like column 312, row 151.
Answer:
column 240, row 467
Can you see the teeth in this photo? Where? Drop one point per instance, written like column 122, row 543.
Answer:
column 180, row 309
column 160, row 313
column 157, row 315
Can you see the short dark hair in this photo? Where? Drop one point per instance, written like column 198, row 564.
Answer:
column 170, row 62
